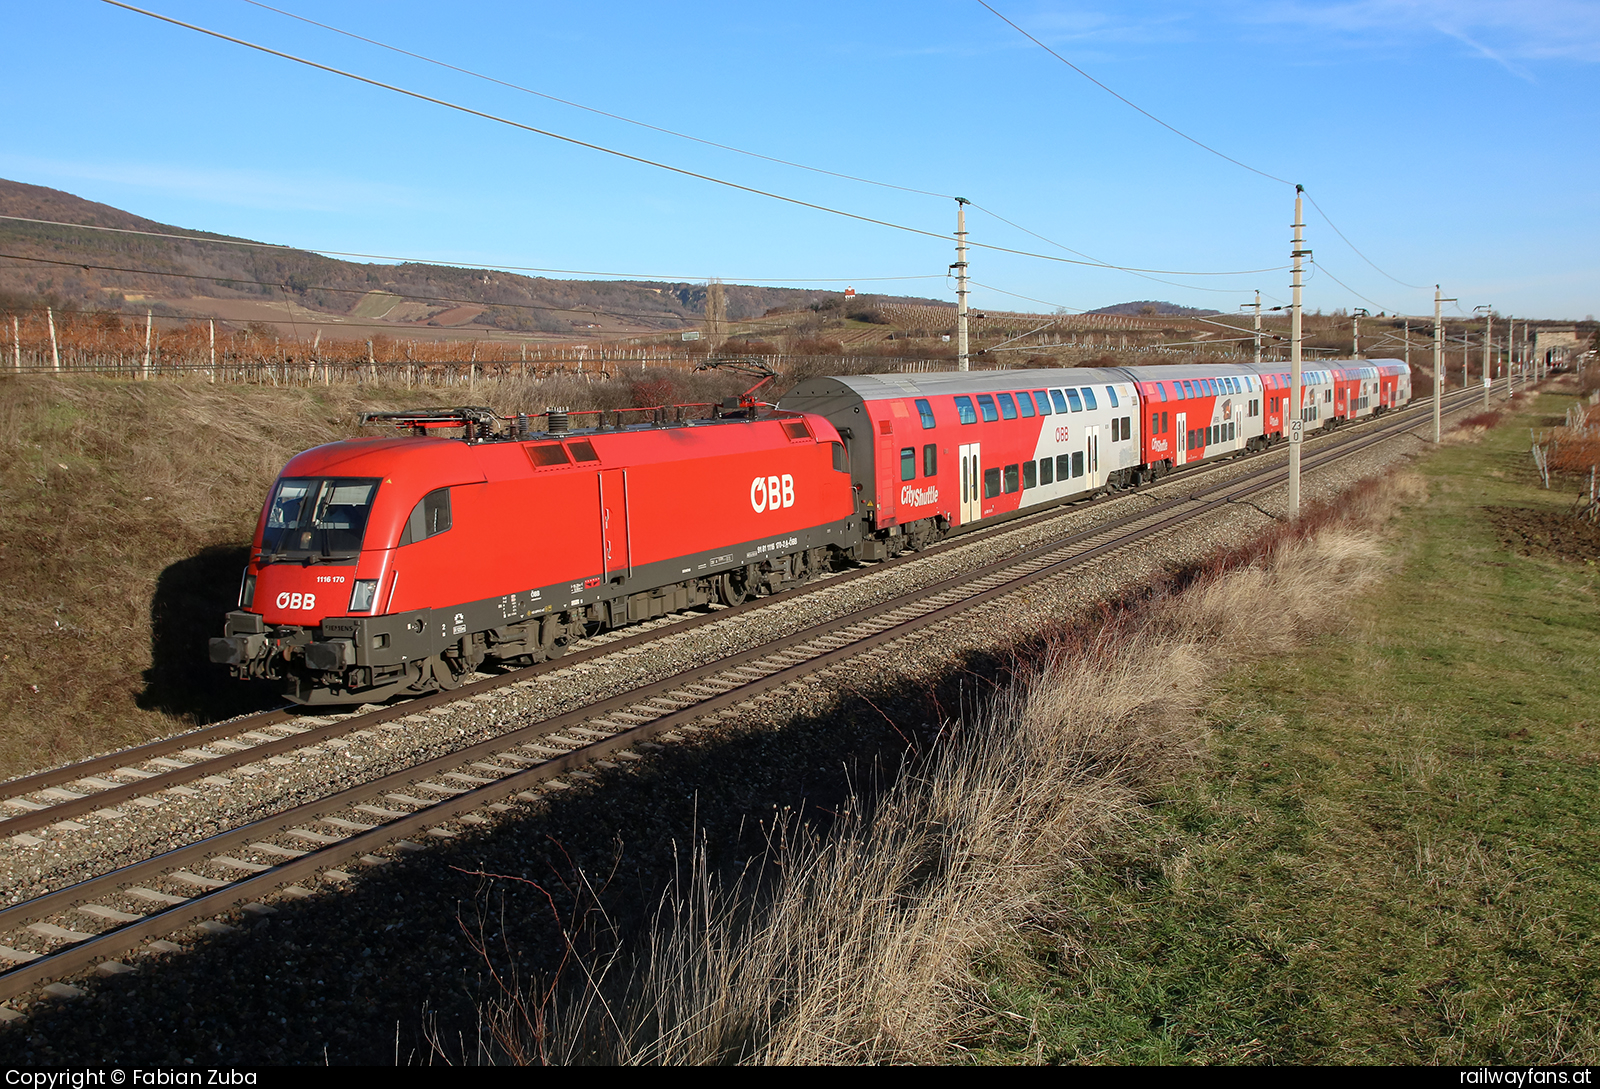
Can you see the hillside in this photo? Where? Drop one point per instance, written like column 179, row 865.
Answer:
column 241, row 284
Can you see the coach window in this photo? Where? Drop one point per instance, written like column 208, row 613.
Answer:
column 1008, row 407
column 908, row 463
column 1088, row 399
column 991, row 483
column 1155, row 420
column 1030, row 475
column 1077, row 464
column 1161, row 390
column 930, row 460
column 1074, row 400
column 1043, row 397
column 1188, row 390
column 429, row 518
column 1025, row 404
column 1046, row 471
column 925, row 410
column 986, row 406
column 1064, row 467
column 1112, row 394
column 964, row 410
column 1012, row 479
column 1165, row 423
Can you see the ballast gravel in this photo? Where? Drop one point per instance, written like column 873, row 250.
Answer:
column 390, row 960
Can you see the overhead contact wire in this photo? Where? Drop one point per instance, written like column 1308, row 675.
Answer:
column 649, row 162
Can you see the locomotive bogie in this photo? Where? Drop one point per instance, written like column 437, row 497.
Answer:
column 388, row 567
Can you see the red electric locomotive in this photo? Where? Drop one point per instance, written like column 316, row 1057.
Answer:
column 383, row 567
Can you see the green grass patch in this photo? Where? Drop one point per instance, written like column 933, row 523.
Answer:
column 1391, row 853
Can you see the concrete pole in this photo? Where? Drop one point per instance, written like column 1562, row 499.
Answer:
column 212, row 371
column 16, row 345
column 962, row 362
column 1258, row 330
column 1299, row 251
column 1488, row 337
column 55, row 356
column 1438, row 361
column 1355, row 335
column 149, row 317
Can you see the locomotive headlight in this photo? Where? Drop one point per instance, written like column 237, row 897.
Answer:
column 247, row 590
column 361, row 597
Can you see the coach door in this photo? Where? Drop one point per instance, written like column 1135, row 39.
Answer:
column 1180, row 439
column 971, row 484
column 616, row 555
column 1091, row 458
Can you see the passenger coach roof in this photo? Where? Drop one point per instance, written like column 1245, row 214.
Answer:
column 873, row 387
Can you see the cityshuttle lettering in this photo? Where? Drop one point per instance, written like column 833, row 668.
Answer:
column 916, row 497
column 772, row 492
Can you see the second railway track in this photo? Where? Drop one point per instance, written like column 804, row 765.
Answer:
column 92, row 921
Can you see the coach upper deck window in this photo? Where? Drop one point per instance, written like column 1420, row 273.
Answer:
column 1059, row 401
column 1025, row 403
column 1008, row 407
column 925, row 410
column 965, row 411
column 1161, row 390
column 1112, row 393
column 1088, row 399
column 986, row 406
column 1043, row 397
column 1074, row 400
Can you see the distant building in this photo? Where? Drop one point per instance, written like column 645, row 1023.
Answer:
column 1559, row 345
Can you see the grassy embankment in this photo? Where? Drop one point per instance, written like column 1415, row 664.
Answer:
column 1390, row 853
column 128, row 508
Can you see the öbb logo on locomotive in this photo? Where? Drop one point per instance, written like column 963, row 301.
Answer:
column 772, row 492
column 389, row 567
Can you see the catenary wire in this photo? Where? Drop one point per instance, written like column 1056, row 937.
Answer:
column 245, row 243
column 599, row 112
column 365, row 291
column 1130, row 104
column 651, row 162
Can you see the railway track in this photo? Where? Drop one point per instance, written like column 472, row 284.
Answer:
column 90, row 923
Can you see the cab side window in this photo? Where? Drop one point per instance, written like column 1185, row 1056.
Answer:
column 429, row 518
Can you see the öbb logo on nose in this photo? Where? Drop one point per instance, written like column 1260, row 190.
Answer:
column 287, row 600
column 772, row 492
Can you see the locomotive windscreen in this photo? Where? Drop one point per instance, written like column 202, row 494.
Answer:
column 313, row 517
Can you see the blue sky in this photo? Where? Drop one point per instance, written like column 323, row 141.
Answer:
column 1452, row 142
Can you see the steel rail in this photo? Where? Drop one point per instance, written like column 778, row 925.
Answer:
column 148, row 784
column 71, row 958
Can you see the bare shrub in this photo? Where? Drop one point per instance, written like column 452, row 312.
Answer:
column 857, row 945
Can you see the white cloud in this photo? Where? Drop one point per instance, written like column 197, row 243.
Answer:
column 1505, row 31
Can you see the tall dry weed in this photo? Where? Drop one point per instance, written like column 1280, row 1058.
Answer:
column 856, row 945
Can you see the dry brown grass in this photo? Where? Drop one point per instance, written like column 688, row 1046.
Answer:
column 857, row 945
